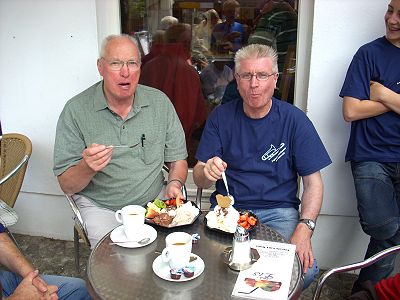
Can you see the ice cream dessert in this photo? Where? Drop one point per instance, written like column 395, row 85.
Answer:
column 224, row 216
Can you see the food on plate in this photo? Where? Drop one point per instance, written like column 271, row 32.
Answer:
column 175, row 274
column 188, row 272
column 224, row 216
column 171, row 212
column 247, row 220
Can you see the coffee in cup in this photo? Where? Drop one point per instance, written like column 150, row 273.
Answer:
column 178, row 249
column 132, row 218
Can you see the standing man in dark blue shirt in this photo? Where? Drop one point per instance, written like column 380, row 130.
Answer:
column 371, row 102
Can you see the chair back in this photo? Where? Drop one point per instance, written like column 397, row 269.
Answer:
column 354, row 266
column 15, row 151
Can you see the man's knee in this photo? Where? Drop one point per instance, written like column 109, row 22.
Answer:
column 385, row 230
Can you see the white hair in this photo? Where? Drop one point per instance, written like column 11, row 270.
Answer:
column 257, row 51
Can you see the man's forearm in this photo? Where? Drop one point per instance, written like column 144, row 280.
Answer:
column 390, row 99
column 311, row 200
column 354, row 109
column 199, row 177
column 178, row 170
column 12, row 258
column 76, row 178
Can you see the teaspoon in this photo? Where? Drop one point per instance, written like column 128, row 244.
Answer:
column 227, row 189
column 140, row 242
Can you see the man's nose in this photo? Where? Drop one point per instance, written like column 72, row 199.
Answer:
column 254, row 81
column 125, row 70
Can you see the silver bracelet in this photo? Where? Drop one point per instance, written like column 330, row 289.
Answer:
column 182, row 184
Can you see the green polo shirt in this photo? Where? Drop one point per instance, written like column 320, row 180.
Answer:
column 134, row 175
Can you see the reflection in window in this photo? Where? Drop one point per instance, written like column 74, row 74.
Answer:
column 188, row 48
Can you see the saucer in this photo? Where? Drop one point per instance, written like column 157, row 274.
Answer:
column 118, row 235
column 162, row 269
column 227, row 258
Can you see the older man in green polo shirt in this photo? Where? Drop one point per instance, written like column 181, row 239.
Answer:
column 113, row 139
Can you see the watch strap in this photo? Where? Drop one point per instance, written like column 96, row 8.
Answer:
column 310, row 223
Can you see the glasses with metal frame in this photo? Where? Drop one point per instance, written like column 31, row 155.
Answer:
column 117, row 65
column 260, row 76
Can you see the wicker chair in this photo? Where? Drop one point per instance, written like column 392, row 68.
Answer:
column 15, row 151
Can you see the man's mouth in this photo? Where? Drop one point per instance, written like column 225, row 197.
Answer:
column 124, row 85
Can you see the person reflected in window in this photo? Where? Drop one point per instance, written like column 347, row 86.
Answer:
column 229, row 35
column 214, row 78
column 172, row 73
column 371, row 102
column 158, row 38
column 276, row 26
column 203, row 31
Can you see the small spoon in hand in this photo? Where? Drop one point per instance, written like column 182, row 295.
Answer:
column 140, row 242
column 227, row 189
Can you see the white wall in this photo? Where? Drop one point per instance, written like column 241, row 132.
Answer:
column 339, row 29
column 48, row 54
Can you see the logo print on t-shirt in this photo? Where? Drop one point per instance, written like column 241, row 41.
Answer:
column 274, row 154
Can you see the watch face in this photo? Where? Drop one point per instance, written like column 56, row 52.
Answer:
column 310, row 223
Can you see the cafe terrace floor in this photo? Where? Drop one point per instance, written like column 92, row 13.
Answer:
column 57, row 257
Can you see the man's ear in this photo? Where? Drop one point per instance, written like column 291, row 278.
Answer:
column 100, row 66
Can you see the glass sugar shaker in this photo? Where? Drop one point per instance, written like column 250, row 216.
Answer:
column 241, row 246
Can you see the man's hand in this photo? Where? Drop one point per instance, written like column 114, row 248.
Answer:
column 27, row 289
column 97, row 156
column 377, row 91
column 214, row 168
column 302, row 239
column 173, row 190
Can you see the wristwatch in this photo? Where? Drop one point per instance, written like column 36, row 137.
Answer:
column 310, row 223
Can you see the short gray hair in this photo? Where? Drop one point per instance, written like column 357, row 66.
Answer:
column 257, row 51
column 116, row 36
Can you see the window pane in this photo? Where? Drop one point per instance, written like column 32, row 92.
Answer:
column 188, row 49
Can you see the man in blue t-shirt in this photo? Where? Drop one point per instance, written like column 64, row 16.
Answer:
column 24, row 282
column 263, row 145
column 371, row 102
column 228, row 35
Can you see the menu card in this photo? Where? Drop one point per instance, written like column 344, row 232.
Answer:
column 269, row 277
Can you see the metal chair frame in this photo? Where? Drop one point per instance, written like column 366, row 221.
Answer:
column 351, row 267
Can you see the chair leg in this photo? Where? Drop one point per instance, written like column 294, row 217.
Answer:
column 13, row 239
column 76, row 249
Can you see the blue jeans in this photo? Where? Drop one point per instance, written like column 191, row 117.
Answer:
column 68, row 287
column 284, row 221
column 377, row 190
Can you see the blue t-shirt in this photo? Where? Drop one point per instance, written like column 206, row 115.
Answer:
column 375, row 138
column 264, row 156
column 222, row 29
column 2, row 228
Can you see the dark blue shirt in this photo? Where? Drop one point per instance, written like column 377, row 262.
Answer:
column 375, row 138
column 264, row 156
column 2, row 228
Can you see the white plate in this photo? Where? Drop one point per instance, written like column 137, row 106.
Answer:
column 118, row 235
column 162, row 269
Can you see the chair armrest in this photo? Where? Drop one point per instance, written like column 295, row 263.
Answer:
column 353, row 266
column 15, row 170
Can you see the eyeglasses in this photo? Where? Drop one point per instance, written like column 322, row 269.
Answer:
column 261, row 76
column 117, row 65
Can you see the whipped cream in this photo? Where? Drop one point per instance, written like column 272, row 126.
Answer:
column 224, row 219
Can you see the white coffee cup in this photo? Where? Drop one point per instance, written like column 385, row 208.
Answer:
column 178, row 249
column 132, row 217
